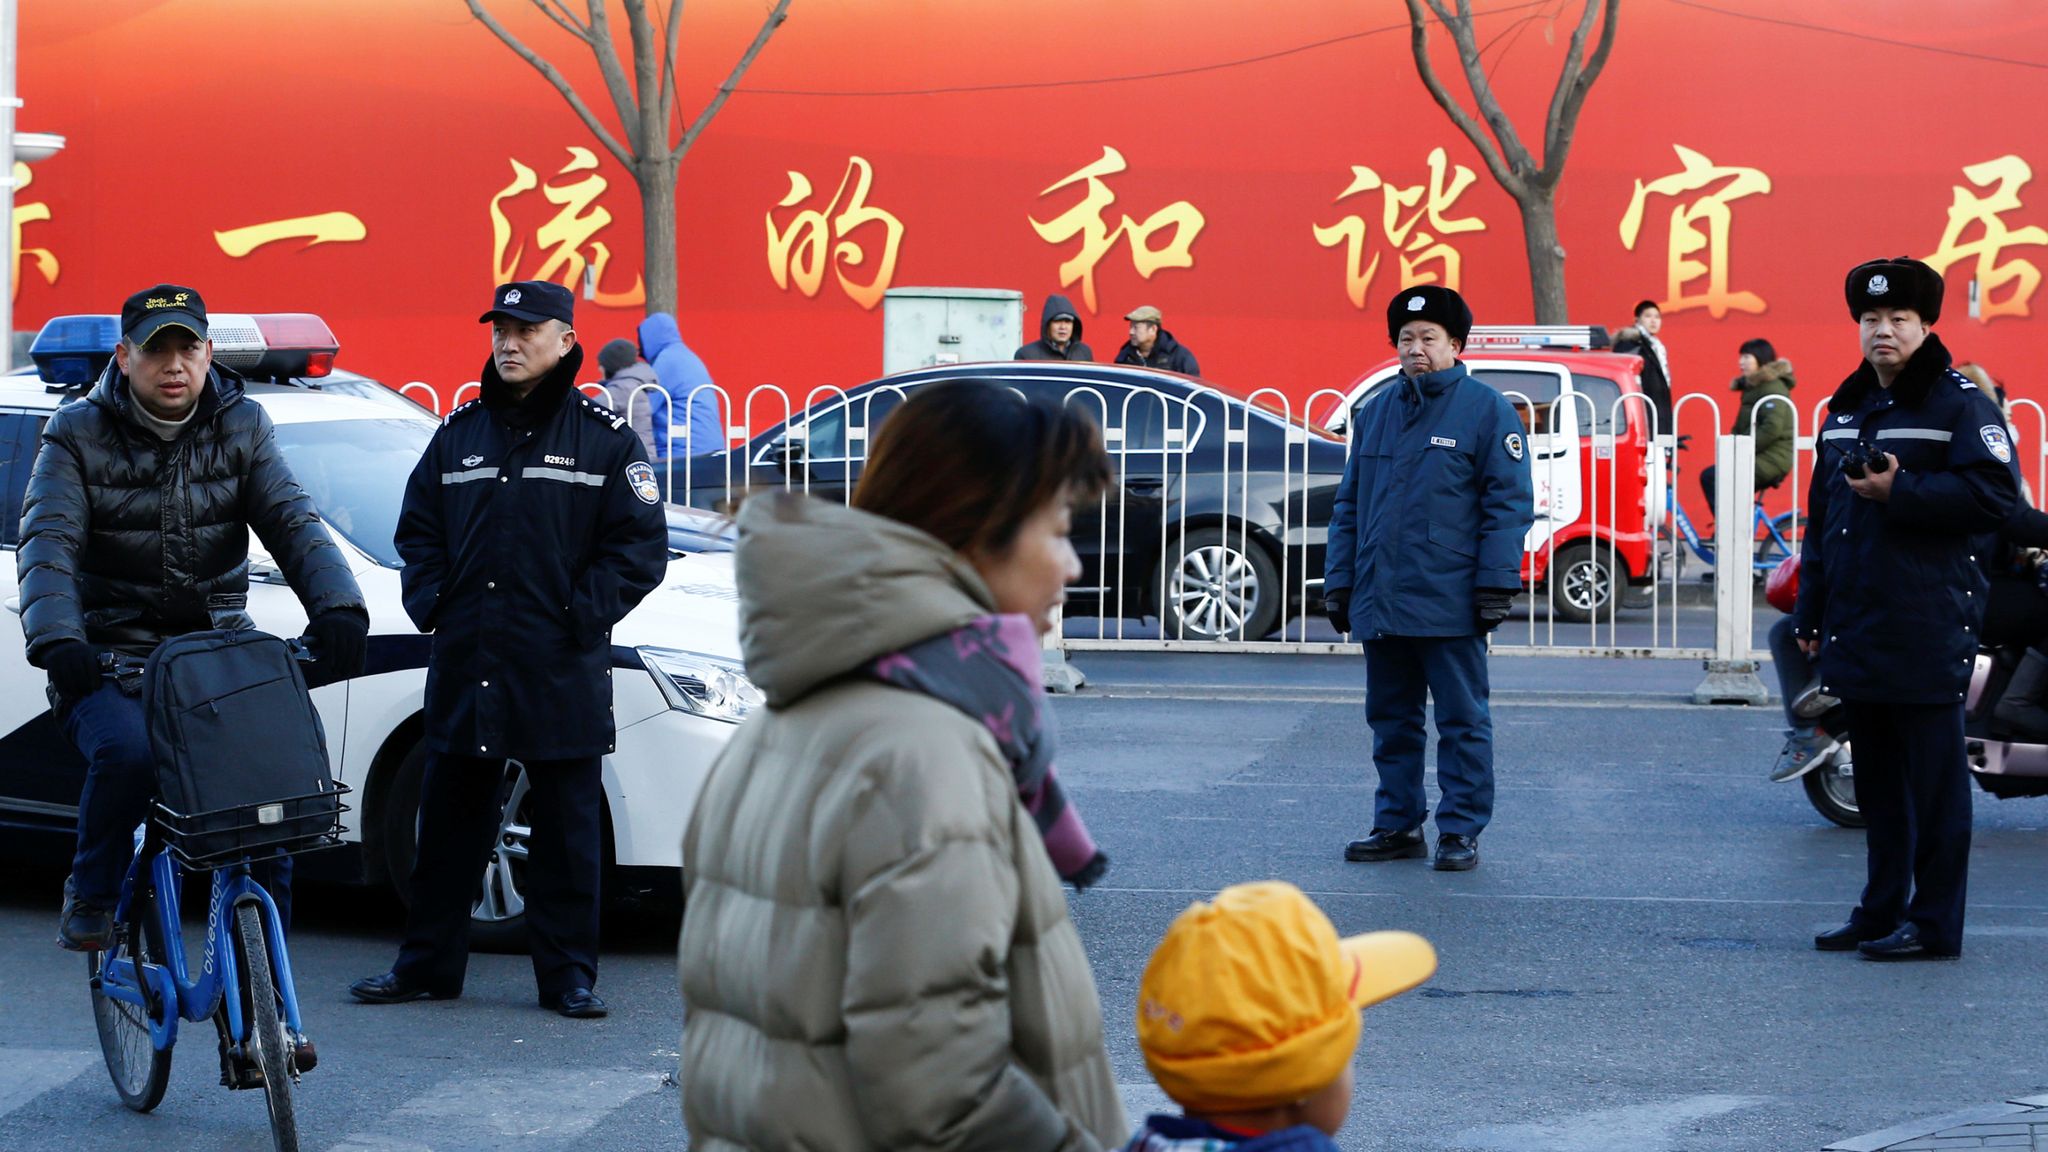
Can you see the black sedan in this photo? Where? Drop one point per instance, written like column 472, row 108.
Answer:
column 1220, row 511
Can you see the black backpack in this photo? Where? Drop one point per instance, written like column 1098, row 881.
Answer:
column 241, row 759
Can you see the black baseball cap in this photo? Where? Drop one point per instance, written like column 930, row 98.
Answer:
column 154, row 309
column 532, row 300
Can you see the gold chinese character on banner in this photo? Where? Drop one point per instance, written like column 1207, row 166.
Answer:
column 326, row 228
column 798, row 252
column 567, row 237
column 1413, row 221
column 1689, row 239
column 1969, row 210
column 26, row 214
column 1086, row 220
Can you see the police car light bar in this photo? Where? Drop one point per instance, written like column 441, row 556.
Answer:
column 74, row 350
column 1558, row 336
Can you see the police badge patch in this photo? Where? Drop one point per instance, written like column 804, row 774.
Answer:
column 1513, row 443
column 1996, row 440
column 641, row 476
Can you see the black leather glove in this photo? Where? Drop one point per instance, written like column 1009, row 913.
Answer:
column 337, row 640
column 74, row 668
column 1337, row 606
column 1493, row 605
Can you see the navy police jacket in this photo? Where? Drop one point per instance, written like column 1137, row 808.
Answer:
column 1434, row 505
column 1895, row 591
column 529, row 528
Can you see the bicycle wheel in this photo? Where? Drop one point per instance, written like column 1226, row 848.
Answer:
column 139, row 1070
column 1792, row 530
column 266, row 1029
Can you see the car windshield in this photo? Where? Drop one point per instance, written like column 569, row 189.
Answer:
column 355, row 471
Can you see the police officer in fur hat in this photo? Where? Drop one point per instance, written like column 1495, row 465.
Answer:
column 1915, row 467
column 1424, row 559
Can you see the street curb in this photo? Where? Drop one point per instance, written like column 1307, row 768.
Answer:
column 1952, row 1126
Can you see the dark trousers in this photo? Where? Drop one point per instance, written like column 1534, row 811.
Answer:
column 2015, row 612
column 1707, row 486
column 111, row 730
column 1401, row 674
column 1913, row 785
column 460, row 808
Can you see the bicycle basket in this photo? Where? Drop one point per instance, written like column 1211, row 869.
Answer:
column 240, row 755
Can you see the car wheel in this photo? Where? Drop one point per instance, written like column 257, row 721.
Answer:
column 1582, row 583
column 1222, row 586
column 497, row 920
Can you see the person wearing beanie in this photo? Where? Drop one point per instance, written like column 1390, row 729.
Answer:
column 632, row 388
column 1424, row 559
column 1059, row 334
column 1913, row 468
column 1641, row 339
column 1248, row 1018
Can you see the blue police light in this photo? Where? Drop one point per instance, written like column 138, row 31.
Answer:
column 75, row 349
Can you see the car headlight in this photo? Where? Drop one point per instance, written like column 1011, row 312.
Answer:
column 701, row 685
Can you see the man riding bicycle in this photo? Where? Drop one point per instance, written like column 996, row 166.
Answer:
column 135, row 528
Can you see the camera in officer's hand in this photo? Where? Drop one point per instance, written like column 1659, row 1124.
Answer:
column 1862, row 458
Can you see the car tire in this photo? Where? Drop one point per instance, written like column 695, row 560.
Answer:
column 1583, row 581
column 1221, row 586
column 497, row 924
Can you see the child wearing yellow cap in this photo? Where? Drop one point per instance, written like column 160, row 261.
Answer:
column 1248, row 1015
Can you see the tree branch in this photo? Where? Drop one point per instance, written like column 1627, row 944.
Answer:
column 646, row 81
column 668, row 66
column 1418, row 42
column 554, row 10
column 1511, row 147
column 1572, row 87
column 614, row 74
column 703, row 120
column 554, row 77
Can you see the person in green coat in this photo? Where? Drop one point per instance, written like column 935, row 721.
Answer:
column 1762, row 374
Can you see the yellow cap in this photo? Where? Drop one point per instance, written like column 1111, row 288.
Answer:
column 1251, row 1001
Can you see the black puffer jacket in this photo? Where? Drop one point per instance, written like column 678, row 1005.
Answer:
column 127, row 539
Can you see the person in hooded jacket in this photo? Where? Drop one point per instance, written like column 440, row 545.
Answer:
column 876, row 952
column 1424, row 559
column 1914, row 473
column 691, row 394
column 134, row 529
column 1152, row 346
column 532, row 524
column 1059, row 334
column 1761, row 374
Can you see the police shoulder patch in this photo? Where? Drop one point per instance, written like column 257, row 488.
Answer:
column 1513, row 443
column 604, row 415
column 1962, row 380
column 1997, row 442
column 640, row 476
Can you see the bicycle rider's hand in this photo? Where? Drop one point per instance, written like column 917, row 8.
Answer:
column 337, row 640
column 74, row 668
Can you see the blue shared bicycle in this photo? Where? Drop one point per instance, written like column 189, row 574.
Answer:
column 143, row 984
column 1775, row 537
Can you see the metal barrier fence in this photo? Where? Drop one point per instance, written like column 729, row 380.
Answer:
column 1210, row 536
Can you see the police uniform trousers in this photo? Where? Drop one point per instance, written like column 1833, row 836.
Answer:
column 1913, row 785
column 1401, row 674
column 461, row 801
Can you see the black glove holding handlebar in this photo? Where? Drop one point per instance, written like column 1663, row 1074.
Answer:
column 1492, row 605
column 1337, row 606
column 74, row 668
column 337, row 641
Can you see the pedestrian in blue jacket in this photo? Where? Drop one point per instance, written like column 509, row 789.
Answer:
column 1424, row 559
column 694, row 428
column 1914, row 474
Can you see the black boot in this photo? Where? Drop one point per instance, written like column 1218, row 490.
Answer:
column 2022, row 708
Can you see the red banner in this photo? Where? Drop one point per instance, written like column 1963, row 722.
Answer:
column 1268, row 175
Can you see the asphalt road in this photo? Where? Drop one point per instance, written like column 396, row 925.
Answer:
column 1628, row 969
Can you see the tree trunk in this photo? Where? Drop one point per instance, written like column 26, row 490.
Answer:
column 1546, row 256
column 656, row 176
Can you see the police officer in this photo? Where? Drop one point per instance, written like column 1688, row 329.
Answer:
column 1914, row 462
column 532, row 524
column 1424, row 559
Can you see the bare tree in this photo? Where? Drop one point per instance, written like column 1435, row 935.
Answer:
column 644, row 108
column 1533, row 187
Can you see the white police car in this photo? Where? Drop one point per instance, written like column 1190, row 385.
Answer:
column 351, row 443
